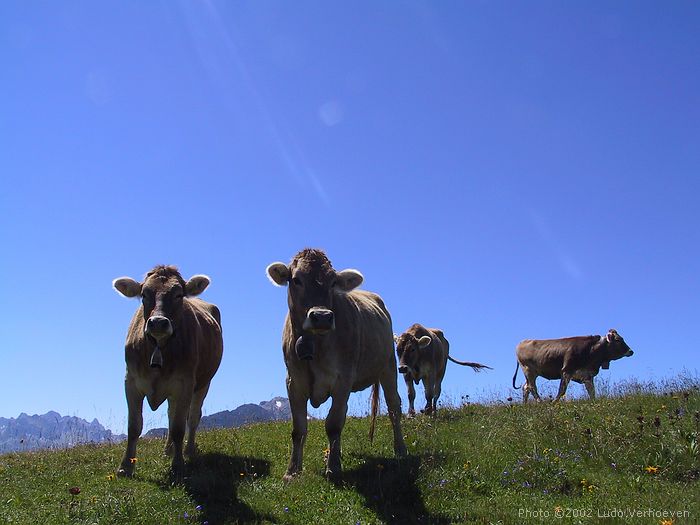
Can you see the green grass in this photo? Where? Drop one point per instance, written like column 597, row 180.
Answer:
column 494, row 463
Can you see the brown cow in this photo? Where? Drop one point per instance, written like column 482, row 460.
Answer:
column 173, row 349
column 578, row 358
column 423, row 354
column 336, row 340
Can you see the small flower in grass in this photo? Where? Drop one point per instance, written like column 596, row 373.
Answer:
column 185, row 515
column 443, row 482
column 651, row 470
column 613, row 464
column 74, row 491
column 286, row 509
column 110, row 477
column 666, row 522
column 133, row 460
column 467, row 465
column 198, row 508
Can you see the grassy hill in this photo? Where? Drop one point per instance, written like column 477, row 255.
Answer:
column 590, row 462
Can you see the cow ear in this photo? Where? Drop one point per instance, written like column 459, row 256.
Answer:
column 127, row 287
column 196, row 285
column 278, row 273
column 610, row 336
column 424, row 341
column 348, row 279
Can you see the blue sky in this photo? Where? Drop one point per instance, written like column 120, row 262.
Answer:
column 501, row 170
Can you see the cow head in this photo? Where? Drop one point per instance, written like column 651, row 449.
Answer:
column 616, row 348
column 312, row 284
column 407, row 348
column 162, row 293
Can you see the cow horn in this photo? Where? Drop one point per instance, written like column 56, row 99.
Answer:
column 157, row 358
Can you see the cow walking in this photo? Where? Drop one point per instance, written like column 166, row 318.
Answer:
column 336, row 340
column 423, row 354
column 173, row 349
column 578, row 358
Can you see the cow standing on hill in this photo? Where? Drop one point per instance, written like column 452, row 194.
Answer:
column 423, row 354
column 173, row 349
column 336, row 340
column 578, row 358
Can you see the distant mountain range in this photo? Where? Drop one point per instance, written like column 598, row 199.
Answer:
column 51, row 430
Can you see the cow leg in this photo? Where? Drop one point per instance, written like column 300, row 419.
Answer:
column 393, row 403
column 335, row 421
column 134, row 400
column 411, row 395
column 180, row 407
column 437, row 389
column 590, row 388
column 195, row 415
column 565, row 378
column 169, row 440
column 429, row 392
column 298, row 406
column 530, row 385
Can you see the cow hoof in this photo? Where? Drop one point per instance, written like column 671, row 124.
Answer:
column 334, row 476
column 124, row 472
column 289, row 477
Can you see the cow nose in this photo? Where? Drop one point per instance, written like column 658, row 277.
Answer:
column 403, row 369
column 158, row 325
column 630, row 353
column 321, row 316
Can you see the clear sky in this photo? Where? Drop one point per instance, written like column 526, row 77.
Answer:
column 500, row 170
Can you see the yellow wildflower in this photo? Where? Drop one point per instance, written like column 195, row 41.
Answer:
column 651, row 470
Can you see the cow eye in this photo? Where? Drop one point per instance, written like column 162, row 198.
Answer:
column 296, row 281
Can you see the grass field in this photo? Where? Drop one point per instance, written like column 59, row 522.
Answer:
column 627, row 458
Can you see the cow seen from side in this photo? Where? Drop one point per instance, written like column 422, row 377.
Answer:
column 571, row 358
column 173, row 349
column 336, row 340
column 423, row 354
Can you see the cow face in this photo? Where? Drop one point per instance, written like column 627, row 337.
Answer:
column 162, row 293
column 312, row 283
column 407, row 348
column 617, row 348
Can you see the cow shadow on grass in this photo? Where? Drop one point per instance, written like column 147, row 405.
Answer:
column 390, row 489
column 212, row 481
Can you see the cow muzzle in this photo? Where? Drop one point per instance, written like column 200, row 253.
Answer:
column 319, row 320
column 403, row 369
column 629, row 353
column 159, row 327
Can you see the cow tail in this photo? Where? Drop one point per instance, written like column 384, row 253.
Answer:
column 517, row 365
column 374, row 410
column 475, row 366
